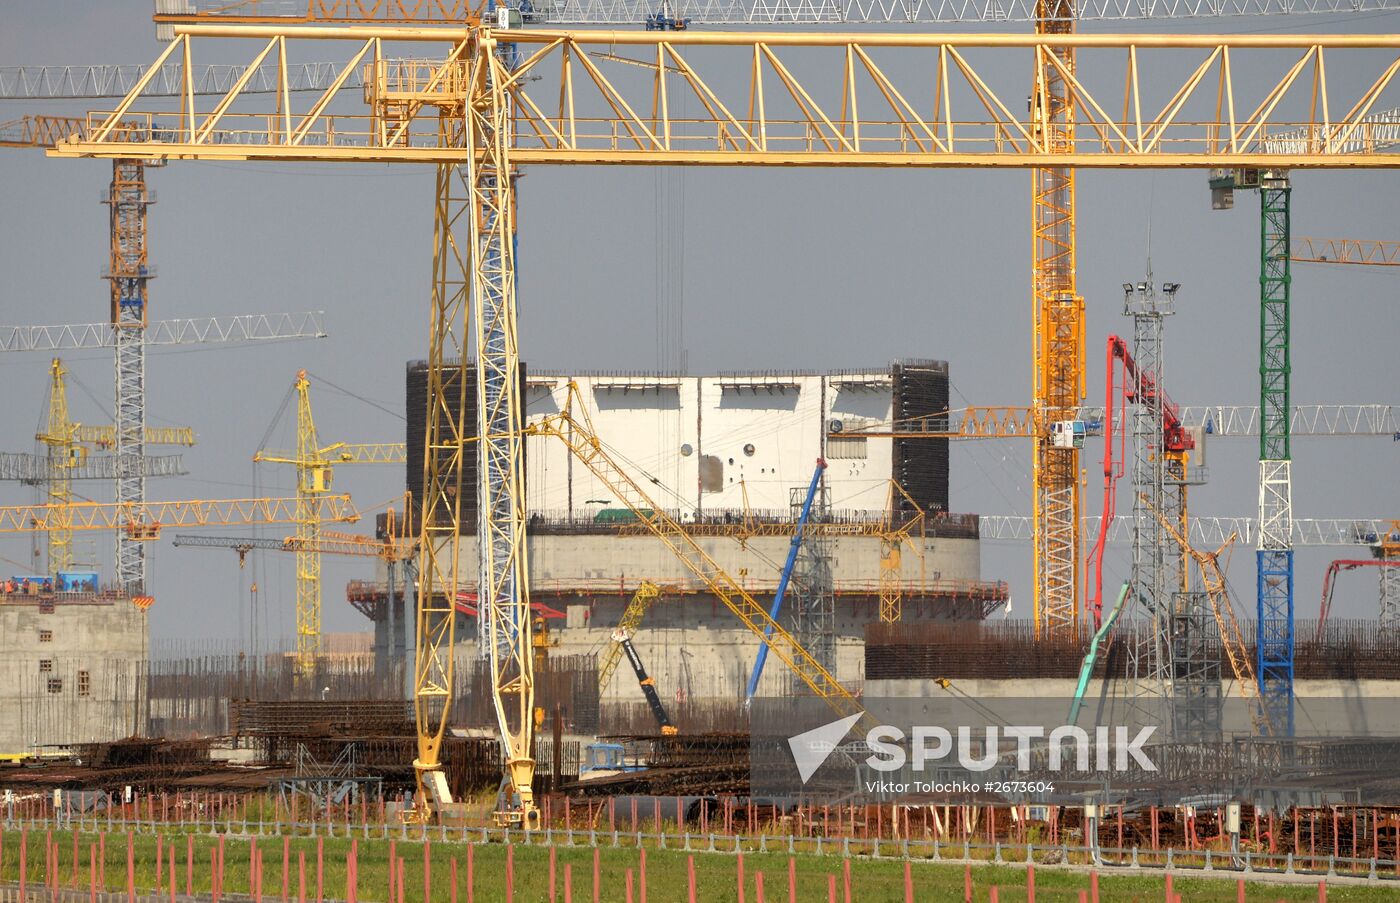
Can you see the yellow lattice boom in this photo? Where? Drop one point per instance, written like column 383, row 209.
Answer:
column 646, row 595
column 1088, row 107
column 146, row 521
column 1359, row 252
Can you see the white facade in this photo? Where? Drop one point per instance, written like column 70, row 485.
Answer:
column 706, row 442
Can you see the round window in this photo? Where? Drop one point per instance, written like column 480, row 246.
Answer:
column 686, row 450
column 748, row 450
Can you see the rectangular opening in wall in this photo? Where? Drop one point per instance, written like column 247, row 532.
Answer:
column 45, row 665
column 55, row 685
column 46, row 636
column 846, row 447
column 84, row 684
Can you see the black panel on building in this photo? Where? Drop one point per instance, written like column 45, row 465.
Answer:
column 921, row 465
column 416, row 412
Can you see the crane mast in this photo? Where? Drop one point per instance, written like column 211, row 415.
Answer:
column 1057, row 335
column 314, row 474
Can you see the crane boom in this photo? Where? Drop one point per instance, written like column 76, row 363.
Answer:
column 196, row 331
column 99, row 81
column 1231, row 639
column 777, row 606
column 144, row 522
column 646, row 595
column 1359, row 252
column 765, row 13
column 36, row 469
column 648, row 685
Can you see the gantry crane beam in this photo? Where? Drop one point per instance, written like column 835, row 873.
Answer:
column 566, row 110
column 314, row 465
column 750, row 12
column 144, row 522
column 1355, row 251
column 329, row 12
column 194, row 331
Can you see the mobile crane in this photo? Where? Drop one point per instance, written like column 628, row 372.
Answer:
column 648, row 683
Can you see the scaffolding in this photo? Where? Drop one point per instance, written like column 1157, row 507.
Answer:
column 813, row 589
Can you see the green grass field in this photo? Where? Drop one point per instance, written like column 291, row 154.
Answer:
column 872, row 881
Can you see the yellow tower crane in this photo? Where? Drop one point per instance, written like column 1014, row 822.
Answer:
column 63, row 453
column 67, row 453
column 314, row 464
column 1057, row 333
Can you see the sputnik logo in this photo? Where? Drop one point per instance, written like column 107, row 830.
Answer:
column 811, row 749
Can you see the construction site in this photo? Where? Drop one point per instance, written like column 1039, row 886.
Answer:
column 682, row 529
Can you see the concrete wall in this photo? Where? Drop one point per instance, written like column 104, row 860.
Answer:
column 709, row 659
column 618, row 563
column 762, row 434
column 690, row 640
column 107, row 641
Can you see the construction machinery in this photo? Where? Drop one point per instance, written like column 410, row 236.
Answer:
column 646, row 595
column 67, row 458
column 648, row 685
column 128, row 271
column 1385, row 558
column 143, row 523
column 1056, row 102
column 315, row 465
column 1274, row 638
column 469, row 106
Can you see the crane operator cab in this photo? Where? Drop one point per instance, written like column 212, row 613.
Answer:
column 1068, row 433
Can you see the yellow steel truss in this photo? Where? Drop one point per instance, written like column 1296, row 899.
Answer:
column 892, row 541
column 566, row 109
column 144, row 522
column 1361, row 252
column 1057, row 330
column 314, row 478
column 106, row 436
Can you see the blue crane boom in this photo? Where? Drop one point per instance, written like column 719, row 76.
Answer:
column 783, row 580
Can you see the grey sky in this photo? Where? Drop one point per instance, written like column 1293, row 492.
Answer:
column 783, row 269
